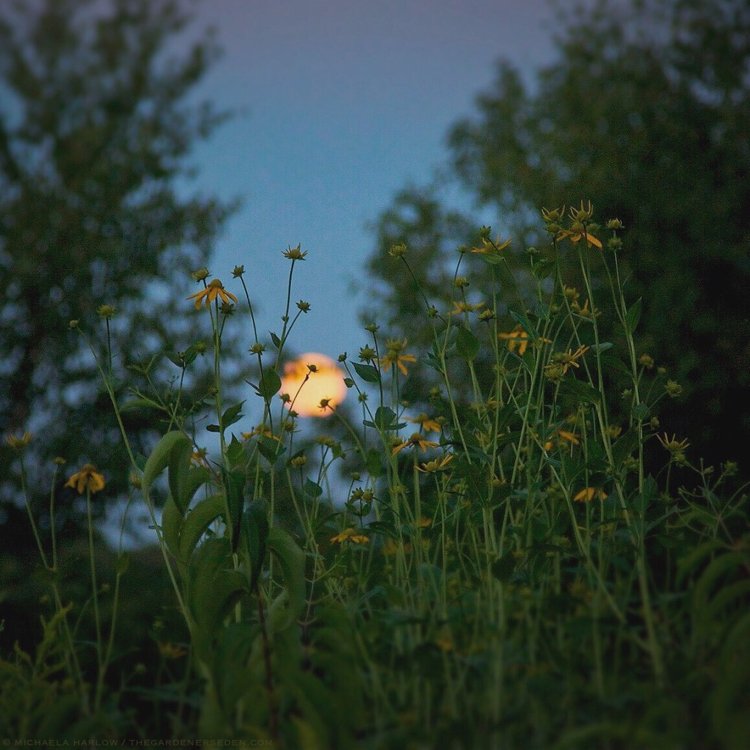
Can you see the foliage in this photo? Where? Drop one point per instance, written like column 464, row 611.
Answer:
column 647, row 107
column 96, row 126
column 506, row 573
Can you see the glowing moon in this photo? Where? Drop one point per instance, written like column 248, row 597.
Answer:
column 326, row 382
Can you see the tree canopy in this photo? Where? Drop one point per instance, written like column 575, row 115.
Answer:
column 646, row 112
column 97, row 125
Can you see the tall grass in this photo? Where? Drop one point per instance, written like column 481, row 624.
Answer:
column 523, row 559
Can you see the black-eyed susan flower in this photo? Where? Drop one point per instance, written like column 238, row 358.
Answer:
column 18, row 442
column 395, row 357
column 172, row 651
column 578, row 232
column 88, row 479
column 214, row 290
column 517, row 339
column 417, row 440
column 566, row 360
column 560, row 438
column 428, row 424
column 350, row 535
column 587, row 494
column 490, row 247
column 437, row 464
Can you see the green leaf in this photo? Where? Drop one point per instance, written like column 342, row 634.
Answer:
column 269, row 384
column 214, row 586
column 374, row 462
column 171, row 524
column 312, row 489
column 173, row 442
column 276, row 340
column 467, row 344
column 504, row 567
column 641, row 411
column 624, row 447
column 643, row 499
column 270, row 449
column 235, row 453
column 385, row 419
column 123, row 563
column 368, row 373
column 231, row 415
column 234, row 486
column 140, row 403
column 288, row 606
column 197, row 521
column 601, row 347
column 255, row 536
column 633, row 316
column 580, row 390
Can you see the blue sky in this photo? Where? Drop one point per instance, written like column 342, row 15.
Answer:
column 340, row 105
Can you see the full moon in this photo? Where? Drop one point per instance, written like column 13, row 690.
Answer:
column 327, row 382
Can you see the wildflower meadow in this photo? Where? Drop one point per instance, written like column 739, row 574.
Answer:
column 523, row 557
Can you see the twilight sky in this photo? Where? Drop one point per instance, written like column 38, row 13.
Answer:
column 342, row 103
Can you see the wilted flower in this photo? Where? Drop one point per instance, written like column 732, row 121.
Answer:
column 394, row 356
column 587, row 494
column 214, row 290
column 417, row 439
column 517, row 339
column 87, row 479
column 295, row 253
column 350, row 535
column 18, row 442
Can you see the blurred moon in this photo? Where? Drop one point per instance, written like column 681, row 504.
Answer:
column 327, row 382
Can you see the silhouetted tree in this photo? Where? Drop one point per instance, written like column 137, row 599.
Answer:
column 645, row 111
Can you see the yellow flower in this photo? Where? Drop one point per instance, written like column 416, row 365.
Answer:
column 587, row 494
column 418, row 440
column 214, row 290
column 491, row 248
column 200, row 457
column 430, row 467
column 562, row 361
column 570, row 437
column 172, row 650
column 517, row 339
column 394, row 357
column 18, row 442
column 577, row 236
column 426, row 423
column 424, row 523
column 88, row 478
column 461, row 307
column 350, row 535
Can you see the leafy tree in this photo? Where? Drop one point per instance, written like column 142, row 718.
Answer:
column 645, row 111
column 97, row 123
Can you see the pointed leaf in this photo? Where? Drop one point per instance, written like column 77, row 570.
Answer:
column 467, row 344
column 197, row 521
column 288, row 607
column 633, row 316
column 161, row 454
column 255, row 535
column 231, row 415
column 368, row 373
column 269, row 385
